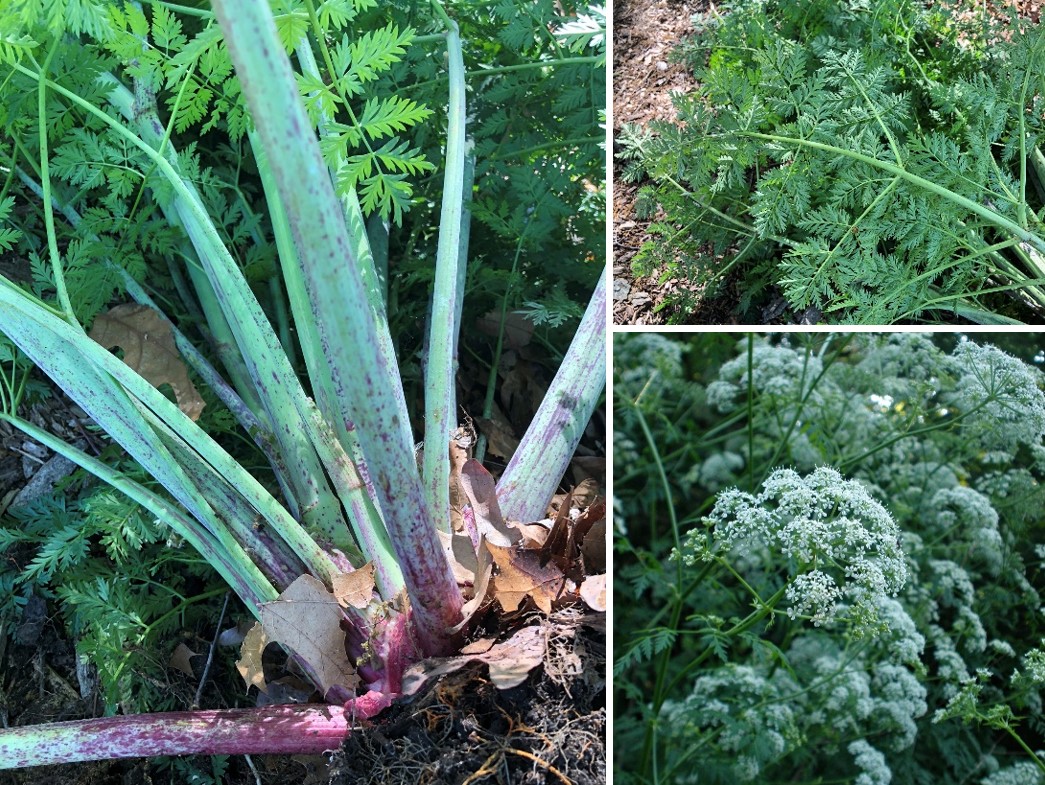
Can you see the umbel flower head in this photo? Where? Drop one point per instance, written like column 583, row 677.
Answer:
column 841, row 546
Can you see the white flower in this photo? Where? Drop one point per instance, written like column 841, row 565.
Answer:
column 874, row 769
column 813, row 593
column 839, row 542
column 754, row 728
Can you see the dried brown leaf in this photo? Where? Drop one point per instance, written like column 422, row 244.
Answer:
column 518, row 328
column 249, row 662
column 521, row 575
column 481, row 491
column 181, row 659
column 148, row 348
column 500, row 438
column 510, row 662
column 481, row 588
column 593, row 592
column 593, row 549
column 306, row 618
column 355, row 588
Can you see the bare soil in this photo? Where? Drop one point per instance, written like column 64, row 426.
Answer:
column 644, row 33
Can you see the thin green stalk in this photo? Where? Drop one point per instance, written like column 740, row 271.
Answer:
column 974, row 207
column 45, row 179
column 507, row 69
column 491, row 380
column 443, row 326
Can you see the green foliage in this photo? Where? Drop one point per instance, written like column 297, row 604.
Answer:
column 126, row 591
column 866, row 160
column 538, row 209
column 717, row 641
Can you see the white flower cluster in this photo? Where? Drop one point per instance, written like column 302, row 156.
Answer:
column 640, row 357
column 1023, row 773
column 718, row 470
column 842, row 547
column 754, row 726
column 869, row 694
column 1034, row 666
column 777, row 370
column 900, row 700
column 873, row 768
column 967, row 515
column 1002, row 396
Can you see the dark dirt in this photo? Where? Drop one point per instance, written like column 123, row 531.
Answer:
column 550, row 729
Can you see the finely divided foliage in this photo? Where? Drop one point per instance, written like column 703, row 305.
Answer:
column 874, row 161
column 855, row 588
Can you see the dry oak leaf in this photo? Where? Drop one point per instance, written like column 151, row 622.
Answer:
column 481, row 489
column 510, row 662
column 306, row 618
column 593, row 592
column 520, row 575
column 148, row 348
column 355, row 588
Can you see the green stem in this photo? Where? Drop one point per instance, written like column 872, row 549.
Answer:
column 439, row 366
column 45, row 180
column 984, row 212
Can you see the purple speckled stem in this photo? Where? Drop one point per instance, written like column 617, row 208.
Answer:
column 533, row 474
column 366, row 380
column 277, row 730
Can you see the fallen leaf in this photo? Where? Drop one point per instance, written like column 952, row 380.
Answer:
column 595, row 511
column 306, row 619
column 593, row 592
column 518, row 329
column 181, row 659
column 249, row 662
column 500, row 438
column 510, row 662
column 534, row 535
column 593, row 549
column 148, row 348
column 462, row 440
column 463, row 560
column 481, row 490
column 480, row 646
column 483, row 572
column 560, row 543
column 521, row 575
column 355, row 588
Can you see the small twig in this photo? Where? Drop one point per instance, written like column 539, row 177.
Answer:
column 253, row 768
column 210, row 656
